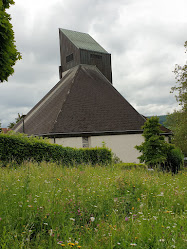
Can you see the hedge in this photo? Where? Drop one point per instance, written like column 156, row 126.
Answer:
column 19, row 148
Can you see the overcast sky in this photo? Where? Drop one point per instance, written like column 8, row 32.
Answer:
column 145, row 37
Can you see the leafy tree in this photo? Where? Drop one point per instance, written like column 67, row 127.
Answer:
column 19, row 117
column 177, row 121
column 8, row 52
column 154, row 148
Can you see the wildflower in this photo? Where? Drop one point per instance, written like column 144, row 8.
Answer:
column 78, row 246
column 161, row 240
column 92, row 218
column 72, row 219
column 132, row 208
column 58, row 179
column 133, row 244
column 141, row 205
column 29, row 206
column 62, row 244
column 126, row 218
column 46, row 224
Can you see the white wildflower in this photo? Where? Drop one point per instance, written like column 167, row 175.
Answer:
column 92, row 218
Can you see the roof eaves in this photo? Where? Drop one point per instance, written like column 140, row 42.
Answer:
column 91, row 133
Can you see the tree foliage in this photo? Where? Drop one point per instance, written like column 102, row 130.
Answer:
column 177, row 121
column 19, row 117
column 154, row 148
column 155, row 151
column 8, row 52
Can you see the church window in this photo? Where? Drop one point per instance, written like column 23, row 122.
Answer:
column 85, row 142
column 69, row 58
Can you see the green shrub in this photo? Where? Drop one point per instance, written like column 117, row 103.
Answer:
column 175, row 159
column 154, row 148
column 19, row 148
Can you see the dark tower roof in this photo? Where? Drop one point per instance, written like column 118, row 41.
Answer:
column 83, row 101
column 83, row 41
column 80, row 48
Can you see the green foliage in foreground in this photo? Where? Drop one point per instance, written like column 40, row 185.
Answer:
column 162, row 119
column 177, row 121
column 155, row 151
column 46, row 206
column 18, row 148
column 8, row 52
column 154, row 148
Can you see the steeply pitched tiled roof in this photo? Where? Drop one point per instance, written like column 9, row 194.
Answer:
column 83, row 101
column 83, row 41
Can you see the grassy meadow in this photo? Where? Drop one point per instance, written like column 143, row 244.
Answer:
column 117, row 206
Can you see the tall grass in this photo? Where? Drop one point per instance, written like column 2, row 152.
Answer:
column 47, row 206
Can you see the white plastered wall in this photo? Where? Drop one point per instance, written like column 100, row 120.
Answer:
column 121, row 145
column 75, row 142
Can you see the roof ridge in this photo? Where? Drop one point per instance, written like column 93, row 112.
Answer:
column 45, row 98
column 67, row 95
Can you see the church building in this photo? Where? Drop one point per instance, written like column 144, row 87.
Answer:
column 84, row 109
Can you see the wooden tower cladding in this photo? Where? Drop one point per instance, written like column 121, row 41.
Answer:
column 80, row 48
